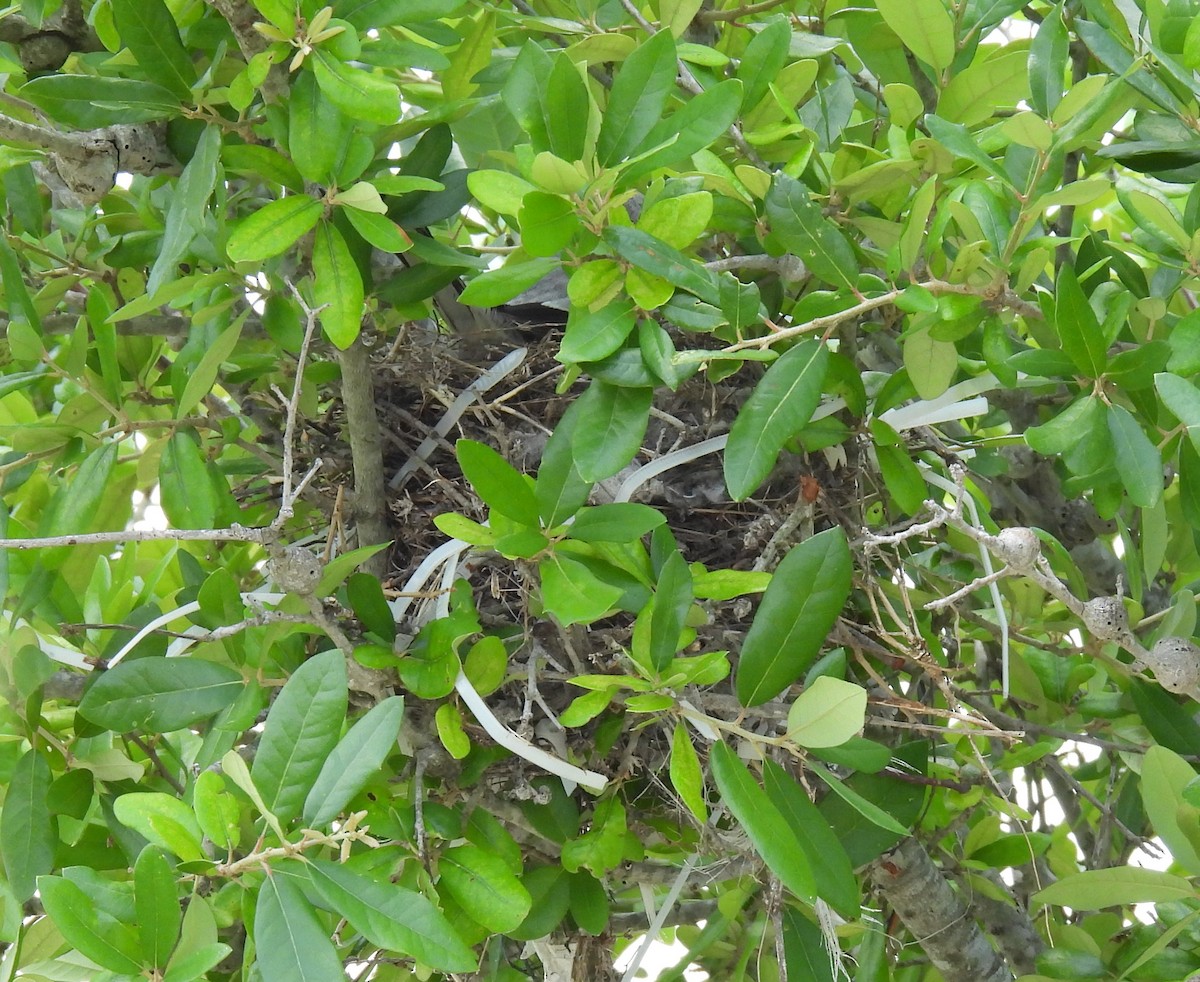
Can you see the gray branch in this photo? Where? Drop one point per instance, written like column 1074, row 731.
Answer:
column 936, row 917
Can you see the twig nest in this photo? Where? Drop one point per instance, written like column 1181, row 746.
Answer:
column 296, row 570
column 1106, row 618
column 1017, row 547
column 1175, row 663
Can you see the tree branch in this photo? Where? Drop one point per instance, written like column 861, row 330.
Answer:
column 936, row 917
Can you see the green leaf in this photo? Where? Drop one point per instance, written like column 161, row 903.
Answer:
column 637, row 98
column 93, row 933
column 869, row 810
column 28, row 832
column 926, row 28
column 357, row 93
column 90, row 101
column 782, row 402
column 827, row 713
column 498, row 286
column 798, row 610
column 832, row 872
column 484, row 887
column 802, row 229
column 621, row 521
column 931, row 364
column 273, row 229
column 763, row 59
column 568, row 109
column 1164, row 776
column 659, row 259
column 217, row 811
column 602, row 847
column 356, row 759
column 379, row 230
column 301, row 731
column 572, row 592
column 686, row 777
column 1095, row 889
column 1137, row 459
column 149, row 31
column 337, row 286
column 188, row 495
column 317, row 130
column 548, row 223
column 160, row 695
column 74, row 507
column 192, row 965
column 560, row 489
column 158, row 914
column 804, row 949
column 289, row 941
column 672, row 601
column 395, row 918
column 701, row 121
column 767, row 829
column 185, row 213
column 1059, row 434
column 1048, row 54
column 497, row 482
column 1183, row 399
column 616, row 422
column 164, row 820
column 1078, row 329
column 593, row 335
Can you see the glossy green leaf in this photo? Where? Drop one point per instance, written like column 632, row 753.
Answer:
column 703, row 119
column 301, row 732
column 803, row 230
column 1164, row 776
column 188, row 495
column 1094, row 889
column 868, row 809
column 159, row 695
column 158, row 914
column 573, row 593
column 498, row 286
column 150, row 32
column 827, row 713
column 782, row 402
column 28, row 832
column 659, row 259
column 1183, row 399
column 359, row 94
column 289, row 941
column 686, row 776
column 317, row 130
column 497, row 482
column 185, row 213
column 797, row 611
column 602, row 847
column 201, row 378
column 393, row 917
column 804, row 949
column 164, row 820
column 763, row 59
column 193, row 965
column 925, row 26
column 593, row 335
column 90, row 101
column 337, row 286
column 93, row 933
column 568, row 109
column 763, row 823
column 274, row 228
column 672, row 601
column 832, row 872
column 484, row 887
column 355, row 759
column 548, row 223
column 379, row 230
column 1137, row 459
column 616, row 423
column 618, row 522
column 637, row 98
column 560, row 489
column 217, row 811
column 1078, row 329
column 1048, row 54
column 73, row 508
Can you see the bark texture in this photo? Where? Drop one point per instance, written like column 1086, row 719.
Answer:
column 935, row 915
